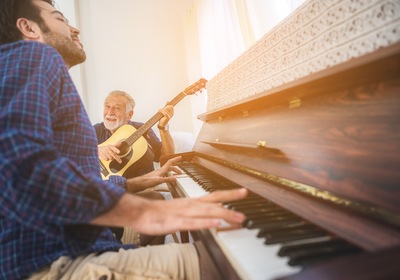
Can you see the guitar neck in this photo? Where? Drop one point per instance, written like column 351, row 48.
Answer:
column 152, row 121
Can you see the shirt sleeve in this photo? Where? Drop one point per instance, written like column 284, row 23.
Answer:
column 42, row 187
column 118, row 181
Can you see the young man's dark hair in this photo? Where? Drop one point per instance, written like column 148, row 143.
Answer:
column 10, row 11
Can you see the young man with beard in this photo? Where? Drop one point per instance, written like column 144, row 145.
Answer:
column 54, row 206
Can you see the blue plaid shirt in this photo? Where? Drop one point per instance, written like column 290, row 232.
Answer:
column 49, row 170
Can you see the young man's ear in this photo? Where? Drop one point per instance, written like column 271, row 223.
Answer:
column 28, row 29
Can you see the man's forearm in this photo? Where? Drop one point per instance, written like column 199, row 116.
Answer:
column 168, row 146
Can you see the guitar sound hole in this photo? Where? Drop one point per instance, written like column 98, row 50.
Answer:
column 115, row 166
column 124, row 148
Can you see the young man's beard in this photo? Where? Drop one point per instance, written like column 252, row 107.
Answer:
column 67, row 48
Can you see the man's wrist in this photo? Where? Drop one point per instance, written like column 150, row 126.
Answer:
column 132, row 185
column 164, row 128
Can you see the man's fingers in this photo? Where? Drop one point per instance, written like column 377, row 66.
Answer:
column 175, row 170
column 196, row 224
column 112, row 149
column 213, row 209
column 210, row 215
column 113, row 153
column 117, row 158
column 168, row 112
column 225, row 196
column 169, row 179
column 172, row 161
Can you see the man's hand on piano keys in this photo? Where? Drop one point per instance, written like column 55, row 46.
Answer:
column 155, row 177
column 162, row 217
column 166, row 216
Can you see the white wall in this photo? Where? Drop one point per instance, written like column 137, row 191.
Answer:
column 136, row 46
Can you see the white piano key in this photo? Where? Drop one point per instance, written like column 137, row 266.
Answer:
column 251, row 257
column 190, row 187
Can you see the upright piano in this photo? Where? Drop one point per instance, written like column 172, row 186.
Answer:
column 320, row 157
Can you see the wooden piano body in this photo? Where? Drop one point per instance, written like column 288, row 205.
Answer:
column 325, row 146
column 333, row 158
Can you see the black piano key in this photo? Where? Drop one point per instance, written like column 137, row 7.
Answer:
column 269, row 218
column 265, row 212
column 246, row 201
column 244, row 206
column 266, row 225
column 293, row 227
column 214, row 187
column 314, row 255
column 291, row 249
column 264, row 222
column 292, row 234
column 277, row 225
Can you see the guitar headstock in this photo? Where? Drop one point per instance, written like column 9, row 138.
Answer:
column 197, row 86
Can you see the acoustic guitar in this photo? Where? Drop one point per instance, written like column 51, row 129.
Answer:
column 133, row 144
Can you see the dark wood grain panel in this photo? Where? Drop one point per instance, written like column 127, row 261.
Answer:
column 342, row 140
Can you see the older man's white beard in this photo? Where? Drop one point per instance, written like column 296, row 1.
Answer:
column 113, row 125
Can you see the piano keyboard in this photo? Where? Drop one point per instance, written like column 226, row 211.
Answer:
column 273, row 242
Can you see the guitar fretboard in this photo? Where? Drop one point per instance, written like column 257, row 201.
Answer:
column 152, row 121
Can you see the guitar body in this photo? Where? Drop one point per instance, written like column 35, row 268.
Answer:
column 136, row 151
